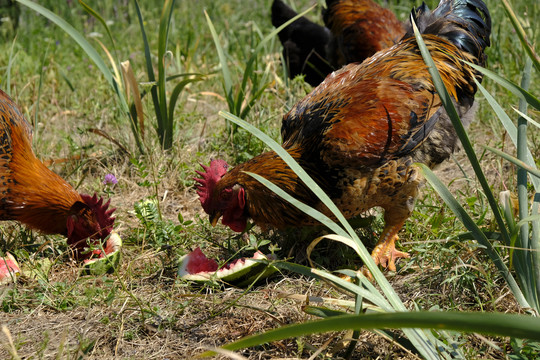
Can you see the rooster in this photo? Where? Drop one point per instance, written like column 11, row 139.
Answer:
column 35, row 196
column 359, row 132
column 354, row 30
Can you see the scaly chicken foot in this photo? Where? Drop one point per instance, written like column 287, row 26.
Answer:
column 385, row 252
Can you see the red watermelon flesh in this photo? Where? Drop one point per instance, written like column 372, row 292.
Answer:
column 198, row 262
column 8, row 268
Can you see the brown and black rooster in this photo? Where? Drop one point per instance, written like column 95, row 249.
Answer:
column 354, row 30
column 37, row 197
column 360, row 131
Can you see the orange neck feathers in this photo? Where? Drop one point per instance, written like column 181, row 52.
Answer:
column 36, row 196
column 262, row 205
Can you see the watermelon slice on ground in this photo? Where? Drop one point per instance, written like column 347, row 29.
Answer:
column 9, row 269
column 101, row 263
column 196, row 266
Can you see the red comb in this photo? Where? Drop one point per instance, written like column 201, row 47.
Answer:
column 209, row 178
column 102, row 212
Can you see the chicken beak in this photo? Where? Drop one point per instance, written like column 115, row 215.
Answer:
column 214, row 218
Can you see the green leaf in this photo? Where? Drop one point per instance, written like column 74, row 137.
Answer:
column 149, row 66
column 222, row 59
column 322, row 312
column 514, row 160
column 165, row 129
column 518, row 326
column 102, row 21
column 509, row 127
column 12, row 56
column 528, row 118
column 323, row 219
column 175, row 94
column 521, row 34
column 510, row 86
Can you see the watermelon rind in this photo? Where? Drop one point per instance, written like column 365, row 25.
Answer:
column 242, row 272
column 108, row 263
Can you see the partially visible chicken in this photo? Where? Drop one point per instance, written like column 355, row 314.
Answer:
column 360, row 28
column 360, row 131
column 304, row 45
column 354, row 30
column 37, row 197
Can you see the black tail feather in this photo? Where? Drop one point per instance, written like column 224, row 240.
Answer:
column 466, row 23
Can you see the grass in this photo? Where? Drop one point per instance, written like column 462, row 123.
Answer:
column 143, row 310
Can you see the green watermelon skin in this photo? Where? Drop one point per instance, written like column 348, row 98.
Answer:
column 105, row 264
column 195, row 266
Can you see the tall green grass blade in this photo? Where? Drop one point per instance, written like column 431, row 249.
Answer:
column 521, row 266
column 517, row 326
column 424, row 341
column 462, row 134
column 317, row 215
column 510, row 86
column 149, row 66
column 165, row 130
column 12, row 56
column 528, row 219
column 322, row 312
column 480, row 236
column 175, row 94
column 308, row 181
column 222, row 61
column 521, row 34
column 528, row 118
column 528, row 260
column 40, row 87
column 521, row 164
column 533, row 257
column 509, row 127
column 94, row 13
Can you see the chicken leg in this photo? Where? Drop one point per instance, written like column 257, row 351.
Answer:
column 385, row 252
